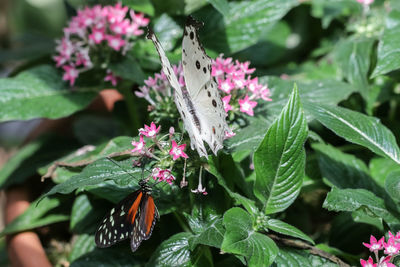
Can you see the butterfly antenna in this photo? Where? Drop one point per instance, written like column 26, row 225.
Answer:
column 113, row 161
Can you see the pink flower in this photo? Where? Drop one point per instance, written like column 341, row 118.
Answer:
column 120, row 27
column 239, row 79
column 115, row 42
column 150, row 131
column 112, row 78
column 391, row 247
column 97, row 35
column 365, row 2
column 252, row 85
column 150, row 82
column 226, row 85
column 229, row 134
column 155, row 173
column 177, row 151
column 385, row 262
column 396, row 237
column 70, row 74
column 226, row 100
column 265, row 93
column 245, row 67
column 139, row 18
column 246, row 105
column 166, row 175
column 139, row 146
column 116, row 13
column 369, row 263
column 374, row 245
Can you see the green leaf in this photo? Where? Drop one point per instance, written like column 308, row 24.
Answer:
column 279, row 161
column 172, row 252
column 128, row 68
column 358, row 199
column 287, row 229
column 83, row 244
column 221, row 5
column 38, row 214
column 167, row 31
column 357, row 128
column 248, row 204
column 388, row 52
column 380, row 169
column 392, row 185
column 144, row 6
column 117, row 256
column 40, row 92
column 328, row 92
column 99, row 171
column 320, row 91
column 299, row 258
column 87, row 154
column 212, row 235
column 86, row 214
column 344, row 170
column 250, row 136
column 353, row 56
column 333, row 9
column 243, row 25
column 240, row 238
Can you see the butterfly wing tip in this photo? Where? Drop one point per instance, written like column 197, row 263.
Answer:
column 190, row 21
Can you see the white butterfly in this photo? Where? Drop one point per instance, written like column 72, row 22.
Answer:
column 199, row 104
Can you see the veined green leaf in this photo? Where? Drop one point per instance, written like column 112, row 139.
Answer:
column 353, row 57
column 279, row 161
column 287, row 229
column 392, row 185
column 344, row 170
column 98, row 172
column 82, row 245
column 172, row 252
column 40, row 92
column 240, row 238
column 359, row 199
column 244, row 23
column 388, row 52
column 299, row 258
column 357, row 128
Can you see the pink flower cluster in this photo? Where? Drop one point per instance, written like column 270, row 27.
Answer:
column 155, row 89
column 235, row 82
column 91, row 31
column 164, row 152
column 233, row 79
column 391, row 249
column 162, row 175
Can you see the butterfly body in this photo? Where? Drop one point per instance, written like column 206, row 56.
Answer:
column 199, row 103
column 133, row 217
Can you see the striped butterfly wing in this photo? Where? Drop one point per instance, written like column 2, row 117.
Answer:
column 119, row 223
column 144, row 223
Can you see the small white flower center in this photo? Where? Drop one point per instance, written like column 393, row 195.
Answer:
column 246, row 106
column 114, row 43
column 98, row 36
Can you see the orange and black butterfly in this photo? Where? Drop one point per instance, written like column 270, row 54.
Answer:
column 134, row 217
